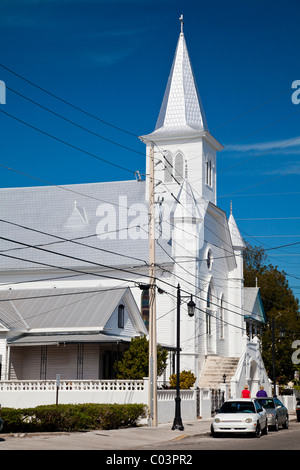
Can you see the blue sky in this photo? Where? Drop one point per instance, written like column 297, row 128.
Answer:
column 112, row 58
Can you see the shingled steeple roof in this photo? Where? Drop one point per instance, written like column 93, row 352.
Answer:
column 181, row 110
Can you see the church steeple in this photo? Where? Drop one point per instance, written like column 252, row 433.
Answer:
column 181, row 110
column 181, row 137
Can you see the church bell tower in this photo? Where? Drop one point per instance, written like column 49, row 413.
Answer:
column 183, row 146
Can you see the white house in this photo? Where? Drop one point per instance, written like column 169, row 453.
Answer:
column 68, row 239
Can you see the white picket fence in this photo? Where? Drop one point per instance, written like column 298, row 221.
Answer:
column 31, row 393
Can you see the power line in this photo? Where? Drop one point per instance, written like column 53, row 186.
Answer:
column 62, row 239
column 81, row 260
column 263, row 194
column 65, row 268
column 74, row 123
column 59, row 294
column 83, row 272
column 63, row 187
column 69, row 144
column 68, row 103
column 270, row 218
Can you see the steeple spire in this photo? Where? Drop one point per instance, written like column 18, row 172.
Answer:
column 181, row 111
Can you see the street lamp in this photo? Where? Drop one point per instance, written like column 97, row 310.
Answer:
column 191, row 307
column 177, row 423
column 224, row 378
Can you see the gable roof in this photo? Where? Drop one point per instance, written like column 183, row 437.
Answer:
column 237, row 240
column 226, row 243
column 50, row 213
column 186, row 207
column 69, row 309
column 253, row 306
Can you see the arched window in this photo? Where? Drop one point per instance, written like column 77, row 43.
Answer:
column 179, row 167
column 168, row 172
column 209, row 297
column 208, row 312
column 121, row 316
column 209, row 259
column 209, row 173
column 145, row 307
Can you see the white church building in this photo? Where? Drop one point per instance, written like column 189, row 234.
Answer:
column 73, row 259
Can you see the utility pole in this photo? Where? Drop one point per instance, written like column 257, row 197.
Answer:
column 152, row 298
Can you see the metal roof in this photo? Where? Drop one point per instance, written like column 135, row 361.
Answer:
column 76, row 212
column 58, row 308
column 37, row 340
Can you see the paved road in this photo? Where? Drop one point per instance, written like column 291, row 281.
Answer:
column 284, row 439
column 195, row 437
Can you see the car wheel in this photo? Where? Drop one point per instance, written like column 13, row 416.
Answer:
column 276, row 424
column 285, row 425
column 266, row 428
column 258, row 430
column 212, row 432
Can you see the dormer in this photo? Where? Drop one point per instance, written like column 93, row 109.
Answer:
column 77, row 218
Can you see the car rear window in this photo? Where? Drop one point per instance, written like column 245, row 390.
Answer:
column 237, row 407
column 266, row 402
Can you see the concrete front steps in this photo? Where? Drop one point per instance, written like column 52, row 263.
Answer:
column 214, row 369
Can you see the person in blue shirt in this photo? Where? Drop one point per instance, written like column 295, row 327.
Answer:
column 261, row 392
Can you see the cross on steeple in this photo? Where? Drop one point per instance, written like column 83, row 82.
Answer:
column 182, row 23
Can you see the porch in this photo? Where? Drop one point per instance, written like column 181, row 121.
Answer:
column 73, row 357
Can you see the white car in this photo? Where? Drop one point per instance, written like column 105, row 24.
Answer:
column 243, row 415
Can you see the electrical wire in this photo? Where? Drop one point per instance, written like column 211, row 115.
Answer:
column 69, row 144
column 68, row 103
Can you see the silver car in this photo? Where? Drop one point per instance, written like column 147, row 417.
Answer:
column 277, row 413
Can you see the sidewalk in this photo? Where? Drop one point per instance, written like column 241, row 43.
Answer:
column 134, row 438
column 115, row 439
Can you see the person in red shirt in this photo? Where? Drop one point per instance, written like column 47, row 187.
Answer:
column 246, row 392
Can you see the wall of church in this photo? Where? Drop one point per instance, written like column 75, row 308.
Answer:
column 214, row 278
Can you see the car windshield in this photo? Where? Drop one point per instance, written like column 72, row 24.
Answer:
column 267, row 402
column 237, row 407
